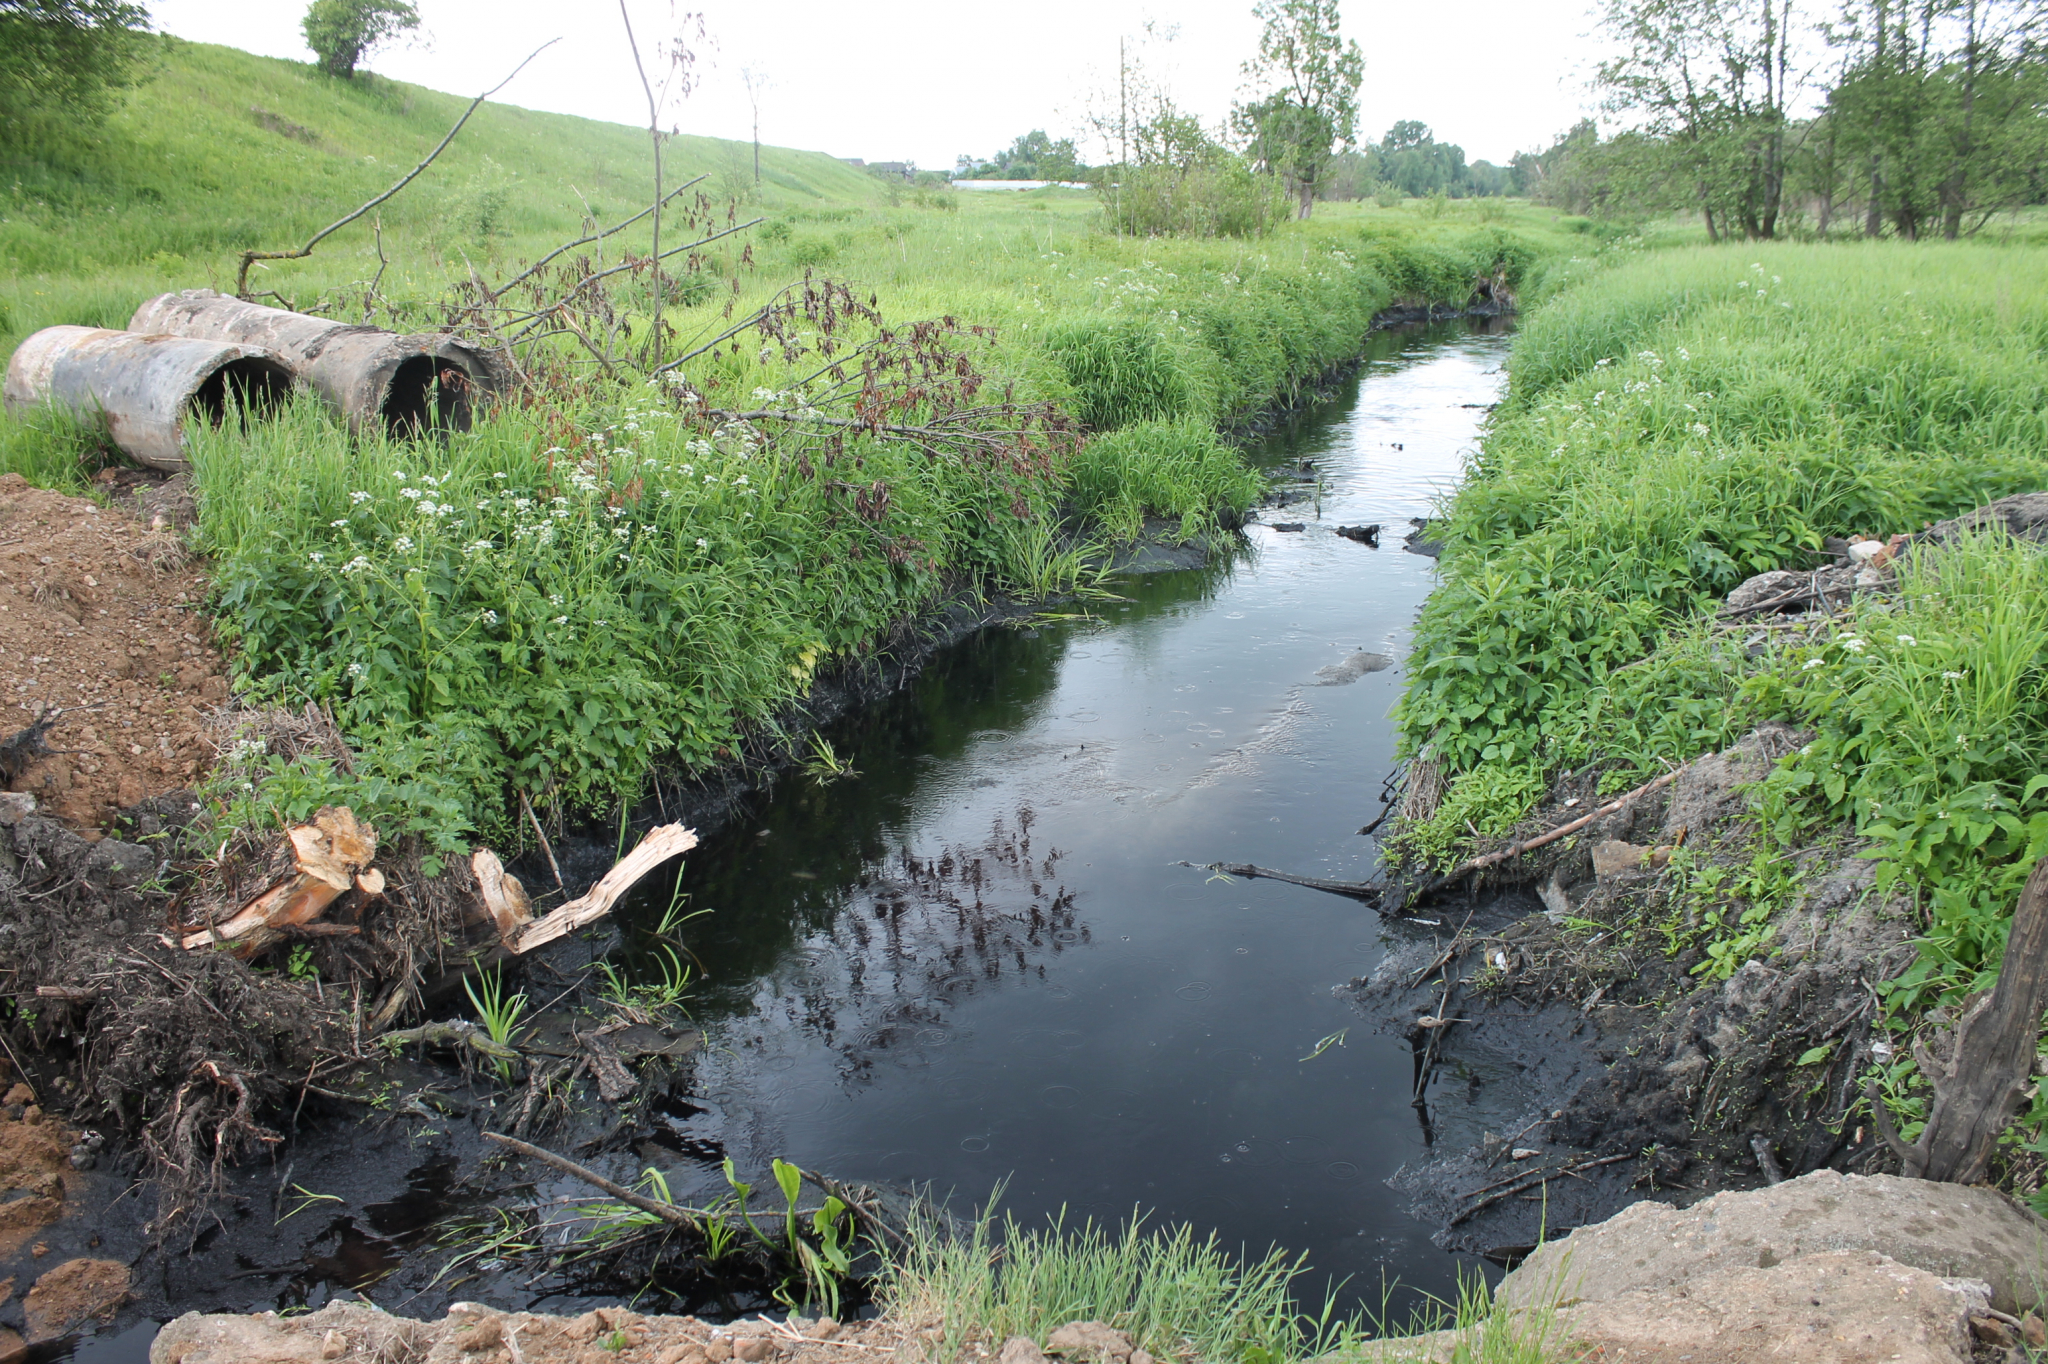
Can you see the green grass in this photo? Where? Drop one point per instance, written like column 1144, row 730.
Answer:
column 1177, row 1297
column 600, row 590
column 1688, row 418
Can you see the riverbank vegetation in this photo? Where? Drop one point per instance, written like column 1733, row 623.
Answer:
column 608, row 577
column 1688, row 419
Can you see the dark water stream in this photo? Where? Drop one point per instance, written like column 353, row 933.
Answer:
column 979, row 961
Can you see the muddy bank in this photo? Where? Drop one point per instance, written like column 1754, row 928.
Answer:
column 1678, row 1045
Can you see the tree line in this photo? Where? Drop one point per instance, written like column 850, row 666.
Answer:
column 1915, row 118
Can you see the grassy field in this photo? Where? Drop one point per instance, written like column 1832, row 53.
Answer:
column 591, row 584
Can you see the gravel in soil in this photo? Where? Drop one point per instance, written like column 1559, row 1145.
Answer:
column 99, row 619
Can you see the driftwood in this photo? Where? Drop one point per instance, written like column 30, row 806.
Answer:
column 1979, row 1089
column 456, row 1034
column 1372, row 891
column 670, row 840
column 1524, row 1185
column 330, row 856
column 667, row 1212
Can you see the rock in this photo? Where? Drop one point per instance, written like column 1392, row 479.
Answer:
column 362, row 1332
column 1947, row 1230
column 1091, row 1340
column 1763, row 587
column 1710, row 791
column 1612, row 858
column 1020, row 1350
column 1364, row 535
column 1837, row 1307
column 1994, row 1332
column 2025, row 515
column 72, row 1294
column 1290, row 525
column 1352, row 668
column 16, row 806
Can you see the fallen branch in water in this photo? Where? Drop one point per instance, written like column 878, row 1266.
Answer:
column 667, row 1212
column 1356, row 890
column 1532, row 1182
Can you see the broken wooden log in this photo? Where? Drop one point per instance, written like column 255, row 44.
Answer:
column 1978, row 1090
column 661, row 844
column 667, row 1212
column 504, row 897
column 330, row 856
column 1368, row 891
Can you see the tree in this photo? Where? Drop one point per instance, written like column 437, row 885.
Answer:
column 1710, row 78
column 1034, row 156
column 343, row 32
column 757, row 83
column 63, row 61
column 1310, row 75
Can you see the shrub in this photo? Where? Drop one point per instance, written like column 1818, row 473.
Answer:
column 1123, row 371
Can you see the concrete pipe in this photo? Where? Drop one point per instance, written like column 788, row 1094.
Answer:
column 144, row 387
column 404, row 385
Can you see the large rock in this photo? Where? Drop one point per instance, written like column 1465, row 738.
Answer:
column 1837, row 1307
column 1948, row 1230
column 2025, row 516
column 338, row 1331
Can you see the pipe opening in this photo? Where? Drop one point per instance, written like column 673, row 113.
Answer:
column 427, row 395
column 251, row 385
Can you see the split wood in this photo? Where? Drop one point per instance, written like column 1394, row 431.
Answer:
column 330, row 857
column 1978, row 1090
column 661, row 844
column 667, row 1212
column 1531, row 1183
column 251, row 257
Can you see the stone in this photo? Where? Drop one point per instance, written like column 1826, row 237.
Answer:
column 1352, row 668
column 73, row 1293
column 364, row 1333
column 16, row 806
column 1763, row 587
column 1612, row 858
column 1992, row 1331
column 1090, row 1340
column 1948, row 1230
column 1837, row 1307
column 1020, row 1350
column 753, row 1349
column 719, row 1349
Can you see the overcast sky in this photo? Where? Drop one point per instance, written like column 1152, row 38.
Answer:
column 927, row 80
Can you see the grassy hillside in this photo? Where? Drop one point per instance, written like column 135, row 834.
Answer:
column 222, row 150
column 749, row 569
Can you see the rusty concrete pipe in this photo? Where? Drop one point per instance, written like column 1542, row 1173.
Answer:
column 376, row 379
column 145, row 388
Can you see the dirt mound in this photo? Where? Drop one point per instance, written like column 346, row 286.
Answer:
column 74, row 1293
column 100, row 611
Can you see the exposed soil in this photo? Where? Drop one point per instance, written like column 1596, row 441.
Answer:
column 99, row 620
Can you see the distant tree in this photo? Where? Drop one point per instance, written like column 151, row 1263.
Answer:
column 1310, row 74
column 343, row 32
column 63, row 61
column 1034, row 156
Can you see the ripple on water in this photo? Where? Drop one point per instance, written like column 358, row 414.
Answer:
column 974, row 1145
column 962, row 1088
column 1059, row 1096
column 1195, row 991
column 1254, row 1151
column 1342, row 1170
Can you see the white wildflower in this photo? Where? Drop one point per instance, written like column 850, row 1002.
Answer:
column 1908, row 641
column 488, row 616
column 702, row 543
column 359, row 498
column 316, row 557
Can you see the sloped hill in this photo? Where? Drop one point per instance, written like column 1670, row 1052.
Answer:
column 222, row 150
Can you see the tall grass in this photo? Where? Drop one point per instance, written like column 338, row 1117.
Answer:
column 1179, row 1297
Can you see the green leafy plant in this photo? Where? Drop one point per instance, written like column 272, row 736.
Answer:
column 499, row 1012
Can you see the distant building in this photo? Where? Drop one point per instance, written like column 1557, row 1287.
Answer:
column 853, row 161
column 1019, row 184
column 893, row 170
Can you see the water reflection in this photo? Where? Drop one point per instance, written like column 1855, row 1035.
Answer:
column 981, row 961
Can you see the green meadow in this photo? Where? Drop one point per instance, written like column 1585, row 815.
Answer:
column 589, row 587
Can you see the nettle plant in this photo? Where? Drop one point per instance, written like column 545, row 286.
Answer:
column 592, row 583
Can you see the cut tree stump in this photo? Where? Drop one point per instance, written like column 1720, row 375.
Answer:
column 1977, row 1092
column 330, row 856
